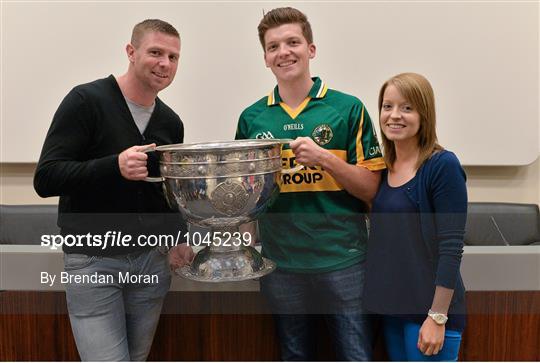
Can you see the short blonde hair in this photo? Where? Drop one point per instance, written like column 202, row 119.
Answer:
column 151, row 25
column 417, row 90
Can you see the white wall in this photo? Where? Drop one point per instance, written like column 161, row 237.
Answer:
column 481, row 57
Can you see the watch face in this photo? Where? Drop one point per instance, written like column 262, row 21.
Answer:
column 438, row 318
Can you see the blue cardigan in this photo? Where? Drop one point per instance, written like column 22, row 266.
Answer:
column 441, row 196
column 439, row 192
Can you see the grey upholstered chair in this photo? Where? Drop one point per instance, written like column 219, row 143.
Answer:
column 500, row 224
column 25, row 224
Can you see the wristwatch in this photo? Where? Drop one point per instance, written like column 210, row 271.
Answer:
column 438, row 318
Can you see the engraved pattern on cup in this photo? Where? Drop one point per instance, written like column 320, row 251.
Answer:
column 229, row 198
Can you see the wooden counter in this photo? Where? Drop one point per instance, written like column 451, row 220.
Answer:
column 230, row 322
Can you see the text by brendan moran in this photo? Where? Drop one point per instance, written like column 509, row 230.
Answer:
column 96, row 278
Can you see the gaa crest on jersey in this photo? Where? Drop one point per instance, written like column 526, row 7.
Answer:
column 322, row 134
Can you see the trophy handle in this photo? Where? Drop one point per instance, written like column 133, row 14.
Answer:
column 148, row 149
column 298, row 167
column 154, row 179
column 150, row 179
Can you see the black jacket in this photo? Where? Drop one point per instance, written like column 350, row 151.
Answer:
column 79, row 163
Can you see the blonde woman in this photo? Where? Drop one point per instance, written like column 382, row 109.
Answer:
column 417, row 226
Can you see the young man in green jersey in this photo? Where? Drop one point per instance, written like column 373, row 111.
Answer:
column 315, row 231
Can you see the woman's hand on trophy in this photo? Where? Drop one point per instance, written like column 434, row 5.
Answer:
column 180, row 255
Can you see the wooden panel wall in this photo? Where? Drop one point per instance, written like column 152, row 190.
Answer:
column 502, row 326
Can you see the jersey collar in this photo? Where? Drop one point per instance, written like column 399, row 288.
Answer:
column 318, row 90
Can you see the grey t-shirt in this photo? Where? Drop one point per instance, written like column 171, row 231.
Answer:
column 141, row 114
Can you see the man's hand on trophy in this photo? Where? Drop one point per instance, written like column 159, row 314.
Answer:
column 180, row 255
column 132, row 162
column 307, row 152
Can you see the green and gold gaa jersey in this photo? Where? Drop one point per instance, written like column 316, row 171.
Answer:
column 315, row 225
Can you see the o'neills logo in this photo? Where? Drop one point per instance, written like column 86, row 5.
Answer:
column 322, row 134
column 290, row 127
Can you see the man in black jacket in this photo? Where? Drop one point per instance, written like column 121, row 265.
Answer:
column 93, row 158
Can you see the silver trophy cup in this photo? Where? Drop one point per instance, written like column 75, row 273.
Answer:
column 220, row 186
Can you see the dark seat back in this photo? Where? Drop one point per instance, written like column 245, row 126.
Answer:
column 25, row 224
column 500, row 224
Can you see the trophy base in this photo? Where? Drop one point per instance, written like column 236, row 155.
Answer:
column 242, row 264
